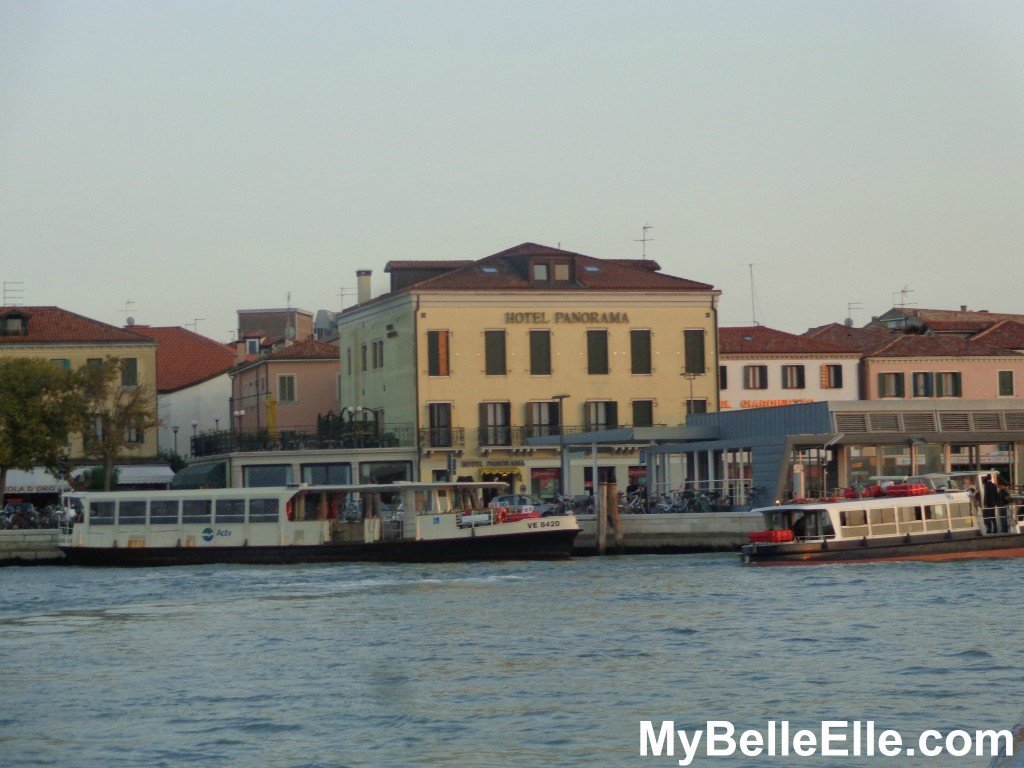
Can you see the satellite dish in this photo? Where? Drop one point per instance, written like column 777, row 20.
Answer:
column 289, row 332
column 131, row 321
column 848, row 322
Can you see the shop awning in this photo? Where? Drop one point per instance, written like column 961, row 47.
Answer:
column 137, row 474
column 35, row 480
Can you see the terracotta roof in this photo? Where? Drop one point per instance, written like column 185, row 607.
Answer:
column 509, row 271
column 758, row 340
column 914, row 345
column 454, row 264
column 928, row 316
column 184, row 358
column 1005, row 333
column 957, row 326
column 310, row 349
column 863, row 340
column 53, row 325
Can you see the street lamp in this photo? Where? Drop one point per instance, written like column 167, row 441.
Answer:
column 689, row 403
column 239, row 415
column 175, row 431
column 563, row 476
column 216, row 424
column 195, row 425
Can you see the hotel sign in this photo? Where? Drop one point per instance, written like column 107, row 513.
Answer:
column 542, row 318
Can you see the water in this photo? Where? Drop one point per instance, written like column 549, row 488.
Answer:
column 509, row 664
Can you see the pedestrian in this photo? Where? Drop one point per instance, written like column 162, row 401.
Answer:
column 989, row 494
column 1003, row 504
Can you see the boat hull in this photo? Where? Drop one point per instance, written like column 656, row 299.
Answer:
column 540, row 545
column 931, row 546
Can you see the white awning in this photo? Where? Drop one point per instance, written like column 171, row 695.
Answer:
column 138, row 474
column 35, row 480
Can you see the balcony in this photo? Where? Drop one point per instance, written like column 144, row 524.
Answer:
column 312, row 438
column 442, row 437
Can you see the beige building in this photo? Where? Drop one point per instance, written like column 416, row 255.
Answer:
column 534, row 341
column 71, row 341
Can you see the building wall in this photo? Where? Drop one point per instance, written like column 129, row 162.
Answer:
column 979, row 376
column 206, row 403
column 735, row 396
column 77, row 356
column 316, row 383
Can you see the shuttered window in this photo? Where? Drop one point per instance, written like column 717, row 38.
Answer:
column 640, row 351
column 597, row 352
column 693, row 350
column 494, row 352
column 643, row 413
column 540, row 353
column 437, row 353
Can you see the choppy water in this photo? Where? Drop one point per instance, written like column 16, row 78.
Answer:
column 510, row 664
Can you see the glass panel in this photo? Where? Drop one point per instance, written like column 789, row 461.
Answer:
column 230, row 510
column 267, row 476
column 131, row 513
column 163, row 512
column 101, row 513
column 263, row 510
column 327, row 474
column 196, row 511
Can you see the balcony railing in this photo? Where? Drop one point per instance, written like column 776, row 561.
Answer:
column 443, row 437
column 357, row 435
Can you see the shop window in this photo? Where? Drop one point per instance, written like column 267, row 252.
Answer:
column 267, row 475
column 336, row 473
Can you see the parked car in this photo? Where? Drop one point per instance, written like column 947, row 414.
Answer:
column 516, row 502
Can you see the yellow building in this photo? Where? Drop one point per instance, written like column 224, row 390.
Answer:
column 481, row 356
column 71, row 341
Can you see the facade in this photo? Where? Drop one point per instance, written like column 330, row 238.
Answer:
column 71, row 341
column 762, row 367
column 192, row 383
column 480, row 357
column 285, row 390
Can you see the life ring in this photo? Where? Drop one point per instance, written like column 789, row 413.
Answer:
column 499, row 515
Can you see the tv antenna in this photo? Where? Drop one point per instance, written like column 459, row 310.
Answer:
column 904, row 294
column 194, row 325
column 129, row 305
column 645, row 240
column 850, row 306
column 753, row 296
column 342, row 293
column 13, row 293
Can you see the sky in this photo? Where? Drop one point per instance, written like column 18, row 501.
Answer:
column 177, row 161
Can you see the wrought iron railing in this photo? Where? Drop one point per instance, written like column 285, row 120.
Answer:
column 356, row 435
column 443, row 437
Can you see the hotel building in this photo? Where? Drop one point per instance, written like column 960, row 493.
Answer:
column 480, row 356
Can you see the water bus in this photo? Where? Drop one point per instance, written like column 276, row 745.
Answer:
column 409, row 522
column 907, row 521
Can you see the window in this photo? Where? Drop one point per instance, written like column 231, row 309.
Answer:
column 163, row 512
column 542, row 418
column 640, row 351
column 890, row 385
column 263, row 510
column 696, row 406
column 15, row 325
column 540, row 272
column 755, row 377
column 440, row 424
column 131, row 513
column 348, row 360
column 723, row 377
column 286, row 388
column 327, row 474
column 540, row 353
column 377, row 354
column 101, row 513
column 362, row 358
column 129, row 372
column 63, row 363
column 134, row 432
column 494, row 353
column 922, row 384
column 693, row 351
column 267, row 475
column 793, row 377
column 252, row 346
column 643, row 413
column 437, row 353
column 230, row 511
column 831, row 377
column 597, row 352
column 602, row 414
column 947, row 384
column 562, row 272
column 196, row 511
column 1006, row 383
column 494, row 424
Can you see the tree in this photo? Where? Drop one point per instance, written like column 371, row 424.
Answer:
column 116, row 414
column 40, row 405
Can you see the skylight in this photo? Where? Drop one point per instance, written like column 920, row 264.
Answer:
column 489, row 270
column 592, row 268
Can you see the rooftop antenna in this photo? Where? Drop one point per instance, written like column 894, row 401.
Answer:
column 194, row 325
column 645, row 240
column 904, row 294
column 342, row 293
column 12, row 293
column 129, row 305
column 289, row 299
column 850, row 306
column 753, row 296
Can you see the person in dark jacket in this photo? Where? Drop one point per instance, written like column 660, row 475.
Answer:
column 1003, row 501
column 989, row 494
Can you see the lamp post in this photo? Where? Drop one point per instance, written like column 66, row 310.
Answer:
column 563, row 470
column 689, row 403
column 239, row 415
column 216, row 424
column 175, row 431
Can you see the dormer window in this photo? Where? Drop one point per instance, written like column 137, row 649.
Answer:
column 561, row 272
column 14, row 325
column 540, row 272
column 252, row 346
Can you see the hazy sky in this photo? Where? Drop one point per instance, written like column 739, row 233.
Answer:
column 199, row 157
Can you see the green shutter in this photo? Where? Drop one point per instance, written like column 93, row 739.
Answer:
column 494, row 348
column 693, row 350
column 640, row 351
column 597, row 352
column 540, row 353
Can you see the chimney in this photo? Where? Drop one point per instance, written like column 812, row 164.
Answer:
column 963, row 307
column 363, row 285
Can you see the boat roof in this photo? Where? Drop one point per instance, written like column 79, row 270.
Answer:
column 873, row 501
column 396, row 487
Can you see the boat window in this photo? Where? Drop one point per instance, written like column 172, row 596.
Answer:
column 885, row 516
column 101, row 513
column 812, row 524
column 131, row 513
column 853, row 517
column 196, row 511
column 263, row 510
column 163, row 512
column 908, row 514
column 230, row 510
column 960, row 509
column 935, row 512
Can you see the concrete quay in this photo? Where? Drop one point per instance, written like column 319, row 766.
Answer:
column 30, row 547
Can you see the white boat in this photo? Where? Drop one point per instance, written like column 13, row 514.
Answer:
column 908, row 522
column 308, row 523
